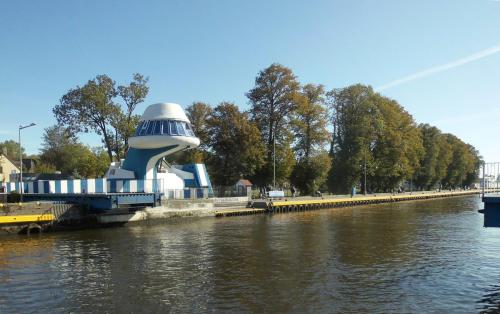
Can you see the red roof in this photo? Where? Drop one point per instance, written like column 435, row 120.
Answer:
column 244, row 182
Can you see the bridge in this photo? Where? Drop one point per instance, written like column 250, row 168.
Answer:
column 489, row 176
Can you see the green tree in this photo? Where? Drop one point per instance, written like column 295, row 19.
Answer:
column 63, row 152
column 464, row 165
column 236, row 145
column 309, row 126
column 132, row 95
column 10, row 149
column 356, row 122
column 198, row 114
column 373, row 132
column 273, row 100
column 92, row 108
column 310, row 174
column 398, row 148
column 435, row 160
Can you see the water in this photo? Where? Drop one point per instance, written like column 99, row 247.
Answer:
column 426, row 256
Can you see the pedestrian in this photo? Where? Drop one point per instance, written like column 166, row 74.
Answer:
column 292, row 189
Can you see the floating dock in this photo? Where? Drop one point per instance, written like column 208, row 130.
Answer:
column 292, row 205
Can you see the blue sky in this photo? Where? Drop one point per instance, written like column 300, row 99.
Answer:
column 212, row 50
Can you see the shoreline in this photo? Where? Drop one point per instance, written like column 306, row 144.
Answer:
column 66, row 217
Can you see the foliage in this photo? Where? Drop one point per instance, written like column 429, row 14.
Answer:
column 132, row 95
column 309, row 174
column 273, row 101
column 309, row 123
column 235, row 142
column 375, row 132
column 198, row 114
column 356, row 124
column 398, row 148
column 10, row 149
column 61, row 151
column 92, row 107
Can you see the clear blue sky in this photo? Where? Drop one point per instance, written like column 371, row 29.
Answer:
column 212, row 50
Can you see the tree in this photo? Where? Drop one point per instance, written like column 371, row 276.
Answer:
column 309, row 121
column 398, row 148
column 464, row 165
column 132, row 95
column 10, row 149
column 435, row 160
column 356, row 124
column 236, row 145
column 92, row 108
column 273, row 100
column 310, row 174
column 198, row 114
column 63, row 152
column 371, row 133
column 309, row 126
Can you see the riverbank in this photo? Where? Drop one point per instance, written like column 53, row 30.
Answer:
column 38, row 217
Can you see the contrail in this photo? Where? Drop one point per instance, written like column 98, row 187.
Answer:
column 440, row 68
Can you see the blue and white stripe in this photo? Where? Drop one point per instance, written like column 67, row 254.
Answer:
column 85, row 186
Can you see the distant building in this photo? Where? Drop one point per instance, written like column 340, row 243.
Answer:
column 243, row 187
column 7, row 167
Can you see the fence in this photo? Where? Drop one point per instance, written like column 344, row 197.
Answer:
column 104, row 186
column 489, row 176
column 86, row 186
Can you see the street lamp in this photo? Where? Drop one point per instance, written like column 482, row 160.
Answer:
column 21, row 187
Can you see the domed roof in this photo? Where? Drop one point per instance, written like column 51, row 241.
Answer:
column 163, row 111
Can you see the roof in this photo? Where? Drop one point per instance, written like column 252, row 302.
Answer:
column 244, row 182
column 12, row 162
column 164, row 111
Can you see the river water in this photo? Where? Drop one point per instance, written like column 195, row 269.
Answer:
column 423, row 256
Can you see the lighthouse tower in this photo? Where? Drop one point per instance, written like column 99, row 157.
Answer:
column 163, row 129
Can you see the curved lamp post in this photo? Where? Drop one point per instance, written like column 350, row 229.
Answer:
column 21, row 187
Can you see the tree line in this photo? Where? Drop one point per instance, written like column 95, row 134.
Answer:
column 329, row 140
column 326, row 140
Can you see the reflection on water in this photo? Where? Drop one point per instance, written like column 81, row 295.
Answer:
column 428, row 256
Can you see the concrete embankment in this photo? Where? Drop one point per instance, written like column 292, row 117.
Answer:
column 38, row 217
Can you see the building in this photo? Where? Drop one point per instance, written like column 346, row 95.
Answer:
column 243, row 187
column 7, row 167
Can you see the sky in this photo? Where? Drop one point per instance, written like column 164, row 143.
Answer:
column 440, row 59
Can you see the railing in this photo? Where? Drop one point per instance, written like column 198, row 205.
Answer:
column 489, row 176
column 86, row 186
column 188, row 193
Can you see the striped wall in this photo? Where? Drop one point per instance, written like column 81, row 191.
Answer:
column 85, row 186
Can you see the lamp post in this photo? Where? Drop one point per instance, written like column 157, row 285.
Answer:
column 364, row 190
column 21, row 187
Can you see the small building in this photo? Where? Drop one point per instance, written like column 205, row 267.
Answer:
column 243, row 187
column 7, row 167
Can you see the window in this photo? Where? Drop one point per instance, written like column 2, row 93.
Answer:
column 158, row 128
column 173, row 128
column 188, row 129
column 151, row 125
column 165, row 127
column 144, row 128
column 139, row 127
column 180, row 128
